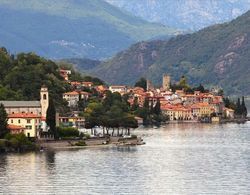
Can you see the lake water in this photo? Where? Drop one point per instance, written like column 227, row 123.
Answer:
column 177, row 159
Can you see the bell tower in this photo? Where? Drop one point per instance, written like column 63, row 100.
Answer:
column 44, row 100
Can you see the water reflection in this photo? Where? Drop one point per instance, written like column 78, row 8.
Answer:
column 177, row 159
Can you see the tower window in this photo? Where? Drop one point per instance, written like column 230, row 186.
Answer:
column 44, row 96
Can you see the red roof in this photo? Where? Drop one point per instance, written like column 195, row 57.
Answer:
column 72, row 93
column 15, row 127
column 23, row 115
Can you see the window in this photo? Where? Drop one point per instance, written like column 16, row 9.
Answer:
column 19, row 121
column 44, row 96
column 28, row 127
column 28, row 120
column 11, row 121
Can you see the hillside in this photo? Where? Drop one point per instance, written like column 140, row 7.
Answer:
column 67, row 29
column 216, row 56
column 185, row 14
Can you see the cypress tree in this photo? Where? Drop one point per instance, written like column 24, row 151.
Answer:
column 157, row 108
column 3, row 121
column 243, row 107
column 51, row 117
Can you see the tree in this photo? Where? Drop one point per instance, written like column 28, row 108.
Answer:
column 157, row 108
column 135, row 105
column 142, row 83
column 51, row 118
column 243, row 107
column 237, row 111
column 3, row 121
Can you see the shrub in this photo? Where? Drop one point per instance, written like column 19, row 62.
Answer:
column 80, row 143
column 68, row 132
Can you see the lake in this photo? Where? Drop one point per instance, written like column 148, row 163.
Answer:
column 177, row 159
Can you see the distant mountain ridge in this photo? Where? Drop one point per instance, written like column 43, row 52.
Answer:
column 215, row 56
column 67, row 29
column 185, row 14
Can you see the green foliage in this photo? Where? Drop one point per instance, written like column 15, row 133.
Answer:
column 229, row 104
column 112, row 112
column 81, row 143
column 23, row 75
column 67, row 132
column 142, row 83
column 51, row 118
column 19, row 142
column 3, row 121
column 240, row 110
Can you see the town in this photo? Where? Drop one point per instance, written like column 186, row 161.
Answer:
column 149, row 105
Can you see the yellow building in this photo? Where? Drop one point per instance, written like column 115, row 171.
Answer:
column 202, row 109
column 30, row 122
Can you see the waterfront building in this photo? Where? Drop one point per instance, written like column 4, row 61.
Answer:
column 30, row 115
column 30, row 123
column 34, row 107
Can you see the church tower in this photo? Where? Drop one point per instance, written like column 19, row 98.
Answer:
column 44, row 100
column 166, row 82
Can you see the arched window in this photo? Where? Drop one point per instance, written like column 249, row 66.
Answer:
column 44, row 96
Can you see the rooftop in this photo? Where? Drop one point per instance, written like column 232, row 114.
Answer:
column 21, row 103
column 23, row 115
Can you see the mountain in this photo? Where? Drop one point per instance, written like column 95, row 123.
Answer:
column 82, row 64
column 215, row 56
column 185, row 14
column 68, row 29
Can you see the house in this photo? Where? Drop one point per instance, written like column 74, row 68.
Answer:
column 73, row 97
column 72, row 121
column 229, row 113
column 177, row 112
column 65, row 74
column 15, row 129
column 122, row 89
column 87, row 84
column 28, row 122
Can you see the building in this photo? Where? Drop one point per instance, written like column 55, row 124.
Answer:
column 166, row 79
column 23, row 113
column 15, row 129
column 122, row 89
column 73, row 97
column 65, row 74
column 34, row 107
column 30, row 123
column 87, row 84
column 150, row 85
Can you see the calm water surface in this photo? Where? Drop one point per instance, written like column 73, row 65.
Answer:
column 177, row 159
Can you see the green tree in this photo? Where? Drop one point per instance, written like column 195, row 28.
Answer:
column 238, row 111
column 51, row 118
column 157, row 108
column 3, row 121
column 243, row 107
column 142, row 83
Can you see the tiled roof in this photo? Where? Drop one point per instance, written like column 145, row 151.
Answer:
column 71, row 93
column 23, row 115
column 15, row 127
column 21, row 103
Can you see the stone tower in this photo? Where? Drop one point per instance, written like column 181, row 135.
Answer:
column 44, row 100
column 166, row 82
column 149, row 85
